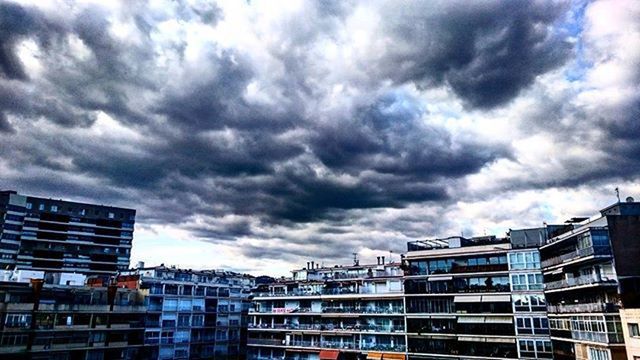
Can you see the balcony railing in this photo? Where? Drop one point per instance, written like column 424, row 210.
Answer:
column 577, row 281
column 329, row 345
column 337, row 291
column 330, row 327
column 599, row 250
column 583, row 308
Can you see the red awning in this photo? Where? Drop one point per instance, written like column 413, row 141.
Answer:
column 329, row 354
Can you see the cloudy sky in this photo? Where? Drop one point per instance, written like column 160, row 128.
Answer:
column 260, row 135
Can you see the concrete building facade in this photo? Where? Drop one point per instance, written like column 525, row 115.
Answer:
column 63, row 236
column 194, row 314
column 345, row 312
column 591, row 271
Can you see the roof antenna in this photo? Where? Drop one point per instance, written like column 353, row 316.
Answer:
column 355, row 259
column 618, row 193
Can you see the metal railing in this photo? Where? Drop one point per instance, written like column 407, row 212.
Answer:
column 598, row 250
column 583, row 308
column 577, row 281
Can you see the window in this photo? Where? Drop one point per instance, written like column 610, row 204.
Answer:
column 532, row 325
column 29, row 206
column 598, row 354
column 524, row 260
column 527, row 281
column 18, row 320
column 527, row 303
column 54, row 208
column 83, row 212
column 41, row 207
column 111, row 215
column 535, row 348
column 634, row 330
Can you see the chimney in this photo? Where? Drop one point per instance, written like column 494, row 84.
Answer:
column 378, row 260
column 308, row 263
column 312, row 264
column 382, row 261
column 140, row 265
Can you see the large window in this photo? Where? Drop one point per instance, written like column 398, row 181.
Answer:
column 634, row 330
column 524, row 260
column 528, row 303
column 532, row 325
column 535, row 348
column 598, row 354
column 529, row 281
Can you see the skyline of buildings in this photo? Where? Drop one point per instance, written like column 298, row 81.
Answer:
column 566, row 291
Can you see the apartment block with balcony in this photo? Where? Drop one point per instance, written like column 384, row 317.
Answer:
column 195, row 314
column 590, row 272
column 341, row 312
column 458, row 299
column 63, row 236
column 41, row 320
column 527, row 294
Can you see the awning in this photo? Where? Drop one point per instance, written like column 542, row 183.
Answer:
column 374, row 355
column 501, row 340
column 467, row 299
column 499, row 319
column 440, row 278
column 470, row 319
column 329, row 354
column 387, row 356
column 472, row 338
column 496, row 298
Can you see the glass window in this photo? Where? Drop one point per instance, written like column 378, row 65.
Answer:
column 41, row 207
column 29, row 206
column 111, row 215
column 634, row 330
column 54, row 208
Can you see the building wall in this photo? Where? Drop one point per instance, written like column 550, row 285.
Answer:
column 64, row 236
column 631, row 317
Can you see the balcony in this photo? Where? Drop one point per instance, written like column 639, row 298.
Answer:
column 330, row 327
column 583, row 308
column 579, row 281
column 364, row 310
column 581, row 253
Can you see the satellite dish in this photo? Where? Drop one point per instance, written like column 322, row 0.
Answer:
column 630, row 199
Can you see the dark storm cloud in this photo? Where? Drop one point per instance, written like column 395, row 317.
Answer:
column 189, row 145
column 18, row 23
column 486, row 51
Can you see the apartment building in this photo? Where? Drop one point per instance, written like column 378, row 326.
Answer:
column 65, row 318
column 340, row 312
column 194, row 314
column 477, row 298
column 591, row 272
column 63, row 236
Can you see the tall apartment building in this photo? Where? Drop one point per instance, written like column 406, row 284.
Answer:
column 63, row 236
column 194, row 314
column 67, row 319
column 477, row 298
column 591, row 273
column 345, row 312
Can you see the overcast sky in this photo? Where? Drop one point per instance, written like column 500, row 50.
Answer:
column 258, row 135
